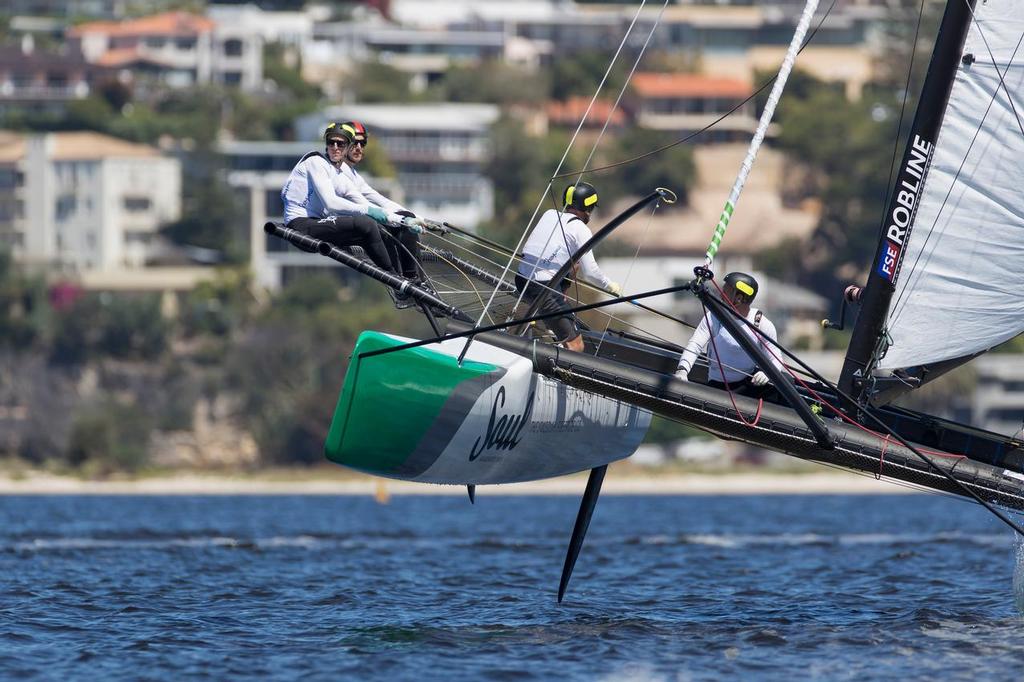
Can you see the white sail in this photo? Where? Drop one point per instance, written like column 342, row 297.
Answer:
column 960, row 290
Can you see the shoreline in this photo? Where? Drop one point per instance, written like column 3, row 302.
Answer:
column 831, row 483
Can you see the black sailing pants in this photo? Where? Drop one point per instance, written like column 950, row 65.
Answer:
column 349, row 230
column 404, row 248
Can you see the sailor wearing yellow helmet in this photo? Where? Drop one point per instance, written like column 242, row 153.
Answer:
column 728, row 362
column 556, row 237
column 313, row 207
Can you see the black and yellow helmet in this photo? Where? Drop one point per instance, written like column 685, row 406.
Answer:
column 743, row 284
column 581, row 196
column 336, row 130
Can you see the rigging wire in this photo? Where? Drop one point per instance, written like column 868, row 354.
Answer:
column 867, row 411
column 597, row 142
column 709, row 126
column 565, row 155
column 899, row 123
column 762, row 128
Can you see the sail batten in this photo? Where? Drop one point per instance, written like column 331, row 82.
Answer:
column 961, row 288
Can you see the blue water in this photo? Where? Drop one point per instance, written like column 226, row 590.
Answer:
column 667, row 588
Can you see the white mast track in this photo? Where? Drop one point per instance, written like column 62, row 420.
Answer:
column 762, row 127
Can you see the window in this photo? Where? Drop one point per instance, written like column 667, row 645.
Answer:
column 233, row 47
column 273, row 204
column 136, row 204
column 185, row 43
column 66, row 206
column 232, row 78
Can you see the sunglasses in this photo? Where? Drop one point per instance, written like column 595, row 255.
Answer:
column 358, row 143
column 341, row 144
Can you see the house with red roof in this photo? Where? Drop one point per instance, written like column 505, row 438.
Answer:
column 683, row 103
column 175, row 49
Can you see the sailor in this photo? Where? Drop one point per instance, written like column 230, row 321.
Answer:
column 313, row 207
column 401, row 238
column 556, row 237
column 728, row 362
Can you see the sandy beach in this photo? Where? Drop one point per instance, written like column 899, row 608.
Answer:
column 832, row 482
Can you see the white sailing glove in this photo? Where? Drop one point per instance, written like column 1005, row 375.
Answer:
column 614, row 288
column 403, row 221
column 759, row 378
column 683, row 373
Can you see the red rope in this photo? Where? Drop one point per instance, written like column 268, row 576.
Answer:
column 842, row 415
column 881, row 458
column 721, row 369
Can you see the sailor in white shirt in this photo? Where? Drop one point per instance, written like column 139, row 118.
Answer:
column 313, row 207
column 402, row 243
column 728, row 362
column 556, row 237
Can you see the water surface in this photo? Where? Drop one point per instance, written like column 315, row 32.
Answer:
column 667, row 588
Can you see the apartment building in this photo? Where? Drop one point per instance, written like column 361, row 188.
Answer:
column 84, row 202
column 44, row 81
column 685, row 103
column 336, row 48
column 174, row 49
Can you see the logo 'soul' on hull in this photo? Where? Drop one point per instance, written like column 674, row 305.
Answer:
column 418, row 415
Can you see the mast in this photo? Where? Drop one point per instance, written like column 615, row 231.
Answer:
column 901, row 208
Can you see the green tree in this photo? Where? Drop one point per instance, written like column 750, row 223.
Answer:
column 673, row 168
column 22, row 305
column 494, row 82
column 109, row 436
column 375, row 81
column 519, row 168
column 581, row 73
column 213, row 217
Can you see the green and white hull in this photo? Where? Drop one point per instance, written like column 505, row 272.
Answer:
column 418, row 415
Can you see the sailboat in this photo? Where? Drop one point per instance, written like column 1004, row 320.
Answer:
column 487, row 402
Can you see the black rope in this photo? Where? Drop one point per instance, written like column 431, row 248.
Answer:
column 523, row 320
column 885, row 427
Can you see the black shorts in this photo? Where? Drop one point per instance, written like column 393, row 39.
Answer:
column 562, row 326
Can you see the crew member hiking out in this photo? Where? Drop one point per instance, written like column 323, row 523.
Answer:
column 728, row 363
column 401, row 241
column 556, row 237
column 313, row 207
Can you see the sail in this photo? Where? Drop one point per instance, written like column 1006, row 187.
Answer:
column 960, row 283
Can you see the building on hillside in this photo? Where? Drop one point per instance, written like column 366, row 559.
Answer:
column 174, row 49
column 257, row 171
column 686, row 103
column 36, row 82
column 84, row 202
column 338, row 48
column 569, row 113
column 733, row 39
column 293, row 29
column 438, row 150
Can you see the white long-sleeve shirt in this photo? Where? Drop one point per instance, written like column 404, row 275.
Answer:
column 309, row 191
column 350, row 186
column 736, row 365
column 556, row 237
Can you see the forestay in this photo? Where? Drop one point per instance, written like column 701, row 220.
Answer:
column 961, row 291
